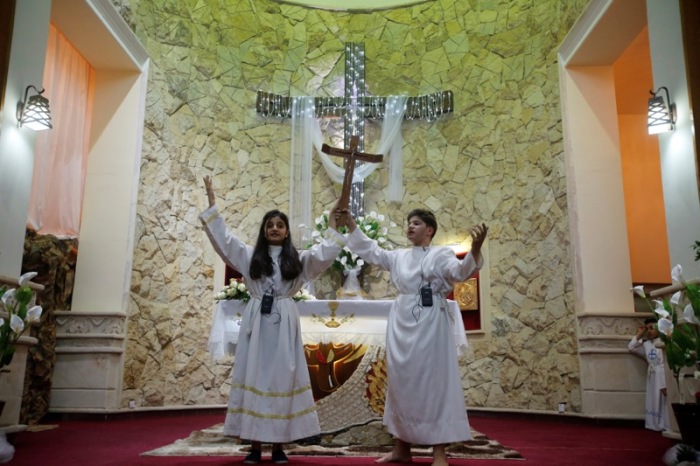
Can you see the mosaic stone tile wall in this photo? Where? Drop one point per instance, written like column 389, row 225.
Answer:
column 497, row 159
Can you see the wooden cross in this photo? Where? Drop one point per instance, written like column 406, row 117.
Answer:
column 355, row 106
column 350, row 155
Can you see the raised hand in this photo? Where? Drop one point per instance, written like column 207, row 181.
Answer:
column 478, row 234
column 210, row 190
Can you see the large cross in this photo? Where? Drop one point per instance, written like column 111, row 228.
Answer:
column 350, row 155
column 355, row 106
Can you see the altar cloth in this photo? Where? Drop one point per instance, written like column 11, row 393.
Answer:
column 323, row 321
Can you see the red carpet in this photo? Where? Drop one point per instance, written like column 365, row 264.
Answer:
column 542, row 440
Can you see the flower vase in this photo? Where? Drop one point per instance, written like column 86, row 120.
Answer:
column 688, row 417
column 351, row 288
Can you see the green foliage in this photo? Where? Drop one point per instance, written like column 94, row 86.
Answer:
column 17, row 312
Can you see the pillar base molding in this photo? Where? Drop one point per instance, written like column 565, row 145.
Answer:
column 89, row 361
column 613, row 380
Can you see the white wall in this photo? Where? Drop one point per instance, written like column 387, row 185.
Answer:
column 595, row 193
column 27, row 58
column 678, row 167
column 103, row 271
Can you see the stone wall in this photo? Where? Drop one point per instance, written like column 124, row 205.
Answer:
column 497, row 159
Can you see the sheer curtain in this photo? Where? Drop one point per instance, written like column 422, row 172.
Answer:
column 60, row 154
column 306, row 136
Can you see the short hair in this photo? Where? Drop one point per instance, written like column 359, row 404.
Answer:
column 426, row 216
column 650, row 320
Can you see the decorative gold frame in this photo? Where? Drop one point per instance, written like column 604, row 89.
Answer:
column 467, row 295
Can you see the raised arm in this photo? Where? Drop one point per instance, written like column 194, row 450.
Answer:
column 478, row 234
column 210, row 190
column 228, row 246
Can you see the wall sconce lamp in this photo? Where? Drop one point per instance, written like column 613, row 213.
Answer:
column 33, row 112
column 662, row 116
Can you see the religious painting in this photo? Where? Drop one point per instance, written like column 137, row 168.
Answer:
column 467, row 296
column 7, row 19
column 331, row 365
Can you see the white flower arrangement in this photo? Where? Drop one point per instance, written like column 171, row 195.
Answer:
column 303, row 295
column 237, row 289
column 679, row 323
column 371, row 225
column 16, row 302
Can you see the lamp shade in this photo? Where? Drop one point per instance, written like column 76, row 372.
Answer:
column 660, row 114
column 35, row 112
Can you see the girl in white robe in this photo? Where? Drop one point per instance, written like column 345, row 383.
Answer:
column 424, row 398
column 270, row 399
column 648, row 345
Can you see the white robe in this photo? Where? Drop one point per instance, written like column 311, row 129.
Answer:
column 424, row 398
column 271, row 399
column 656, row 417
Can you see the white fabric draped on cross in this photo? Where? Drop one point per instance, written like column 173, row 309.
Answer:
column 306, row 135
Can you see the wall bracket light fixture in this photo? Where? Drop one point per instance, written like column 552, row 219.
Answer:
column 34, row 112
column 662, row 113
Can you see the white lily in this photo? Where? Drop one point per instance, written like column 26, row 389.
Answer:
column 689, row 315
column 34, row 314
column 665, row 326
column 676, row 298
column 677, row 274
column 660, row 309
column 360, row 262
column 16, row 324
column 26, row 278
column 9, row 294
column 639, row 291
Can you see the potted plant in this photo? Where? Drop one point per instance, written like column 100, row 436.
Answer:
column 17, row 311
column 679, row 329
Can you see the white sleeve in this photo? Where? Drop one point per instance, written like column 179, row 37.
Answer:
column 636, row 347
column 232, row 250
column 369, row 250
column 321, row 256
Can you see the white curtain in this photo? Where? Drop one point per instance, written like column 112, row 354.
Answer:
column 306, row 135
column 60, row 154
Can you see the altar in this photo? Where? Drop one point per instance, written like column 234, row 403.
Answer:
column 344, row 344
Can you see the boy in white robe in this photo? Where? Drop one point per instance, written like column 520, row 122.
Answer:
column 647, row 344
column 424, row 398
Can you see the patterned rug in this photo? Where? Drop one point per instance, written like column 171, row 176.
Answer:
column 212, row 442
